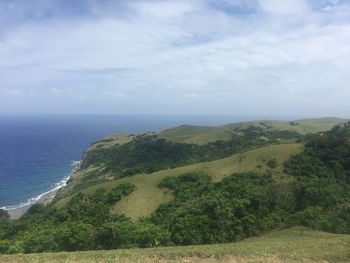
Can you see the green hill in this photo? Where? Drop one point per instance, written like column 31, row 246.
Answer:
column 193, row 186
column 202, row 135
column 148, row 196
column 290, row 246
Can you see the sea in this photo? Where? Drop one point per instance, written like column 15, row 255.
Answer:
column 37, row 152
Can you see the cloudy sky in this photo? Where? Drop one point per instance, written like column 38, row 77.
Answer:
column 235, row 57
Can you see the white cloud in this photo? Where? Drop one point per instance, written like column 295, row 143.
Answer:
column 156, row 53
column 164, row 9
column 284, row 7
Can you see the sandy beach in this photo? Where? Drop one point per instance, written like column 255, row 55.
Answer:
column 44, row 199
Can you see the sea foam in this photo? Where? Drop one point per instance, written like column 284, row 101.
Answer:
column 56, row 187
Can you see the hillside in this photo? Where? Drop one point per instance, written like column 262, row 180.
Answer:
column 202, row 135
column 143, row 190
column 124, row 155
column 289, row 246
column 148, row 196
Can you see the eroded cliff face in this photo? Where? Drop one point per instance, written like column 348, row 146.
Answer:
column 103, row 144
column 85, row 161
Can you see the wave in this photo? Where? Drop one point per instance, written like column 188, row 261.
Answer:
column 31, row 201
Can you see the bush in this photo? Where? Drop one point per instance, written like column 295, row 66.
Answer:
column 205, row 212
column 272, row 163
column 4, row 214
column 5, row 246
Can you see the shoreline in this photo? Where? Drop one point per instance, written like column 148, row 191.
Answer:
column 16, row 211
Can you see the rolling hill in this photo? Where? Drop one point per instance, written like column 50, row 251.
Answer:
column 193, row 185
column 148, row 196
column 202, row 135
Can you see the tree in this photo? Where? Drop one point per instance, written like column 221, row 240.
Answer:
column 4, row 214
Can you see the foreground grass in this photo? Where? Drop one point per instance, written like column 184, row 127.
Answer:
column 292, row 245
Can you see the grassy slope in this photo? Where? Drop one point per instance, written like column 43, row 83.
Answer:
column 147, row 196
column 112, row 140
column 195, row 134
column 202, row 135
column 198, row 135
column 292, row 245
column 115, row 139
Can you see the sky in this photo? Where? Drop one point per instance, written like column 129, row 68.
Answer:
column 217, row 57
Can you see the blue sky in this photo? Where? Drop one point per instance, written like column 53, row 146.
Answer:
column 232, row 57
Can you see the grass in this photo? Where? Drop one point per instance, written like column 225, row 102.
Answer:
column 291, row 245
column 112, row 140
column 115, row 139
column 77, row 180
column 148, row 196
column 202, row 135
column 194, row 134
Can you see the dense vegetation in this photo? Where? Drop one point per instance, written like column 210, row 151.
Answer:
column 316, row 195
column 148, row 153
column 204, row 212
column 322, row 185
column 76, row 227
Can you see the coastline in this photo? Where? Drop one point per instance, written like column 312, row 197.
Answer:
column 16, row 211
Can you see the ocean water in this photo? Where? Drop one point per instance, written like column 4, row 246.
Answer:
column 37, row 152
